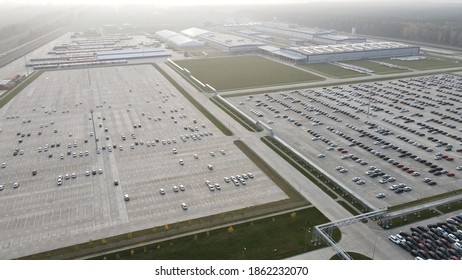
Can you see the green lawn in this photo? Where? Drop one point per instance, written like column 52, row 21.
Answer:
column 332, row 70
column 270, row 238
column 227, row 73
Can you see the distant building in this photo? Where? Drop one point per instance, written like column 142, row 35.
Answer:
column 303, row 34
column 331, row 53
column 178, row 40
column 334, row 39
column 231, row 43
column 131, row 54
column 194, row 32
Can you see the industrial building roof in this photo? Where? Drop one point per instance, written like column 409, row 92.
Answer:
column 296, row 28
column 183, row 41
column 165, row 34
column 194, row 32
column 291, row 55
column 130, row 54
column 311, row 50
column 230, row 40
column 338, row 37
column 269, row 48
column 283, row 52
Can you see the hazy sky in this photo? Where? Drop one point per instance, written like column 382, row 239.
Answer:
column 185, row 2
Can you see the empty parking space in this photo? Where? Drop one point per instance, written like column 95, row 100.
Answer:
column 77, row 141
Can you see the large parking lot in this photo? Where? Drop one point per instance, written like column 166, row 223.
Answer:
column 388, row 142
column 111, row 132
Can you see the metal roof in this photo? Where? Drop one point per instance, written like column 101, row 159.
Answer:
column 194, row 32
column 181, row 40
column 165, row 34
column 131, row 54
column 269, row 48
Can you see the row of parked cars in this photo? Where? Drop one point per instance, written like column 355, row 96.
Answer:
column 439, row 241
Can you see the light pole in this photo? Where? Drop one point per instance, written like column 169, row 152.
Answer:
column 243, row 253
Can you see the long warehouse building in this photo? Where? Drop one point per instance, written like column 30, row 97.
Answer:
column 331, row 53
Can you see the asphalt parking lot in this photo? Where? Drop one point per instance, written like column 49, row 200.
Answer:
column 113, row 131
column 407, row 130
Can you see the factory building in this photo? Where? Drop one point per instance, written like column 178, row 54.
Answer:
column 302, row 34
column 131, row 54
column 194, row 32
column 331, row 53
column 178, row 40
column 334, row 39
column 231, row 43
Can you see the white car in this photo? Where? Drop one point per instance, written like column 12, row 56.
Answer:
column 453, row 237
column 181, row 162
column 162, row 191
column 4, row 165
column 2, row 187
column 175, row 189
column 184, row 206
column 182, row 188
column 196, row 156
column 126, row 197
column 210, row 167
column 321, row 155
column 394, row 239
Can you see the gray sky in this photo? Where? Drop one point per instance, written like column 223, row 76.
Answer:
column 187, row 2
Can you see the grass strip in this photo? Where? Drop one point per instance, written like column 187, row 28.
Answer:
column 193, row 101
column 348, row 82
column 318, row 178
column 275, row 237
column 7, row 96
column 236, row 115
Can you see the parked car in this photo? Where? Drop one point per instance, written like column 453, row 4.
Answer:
column 394, row 239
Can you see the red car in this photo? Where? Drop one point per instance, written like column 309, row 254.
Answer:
column 450, row 174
